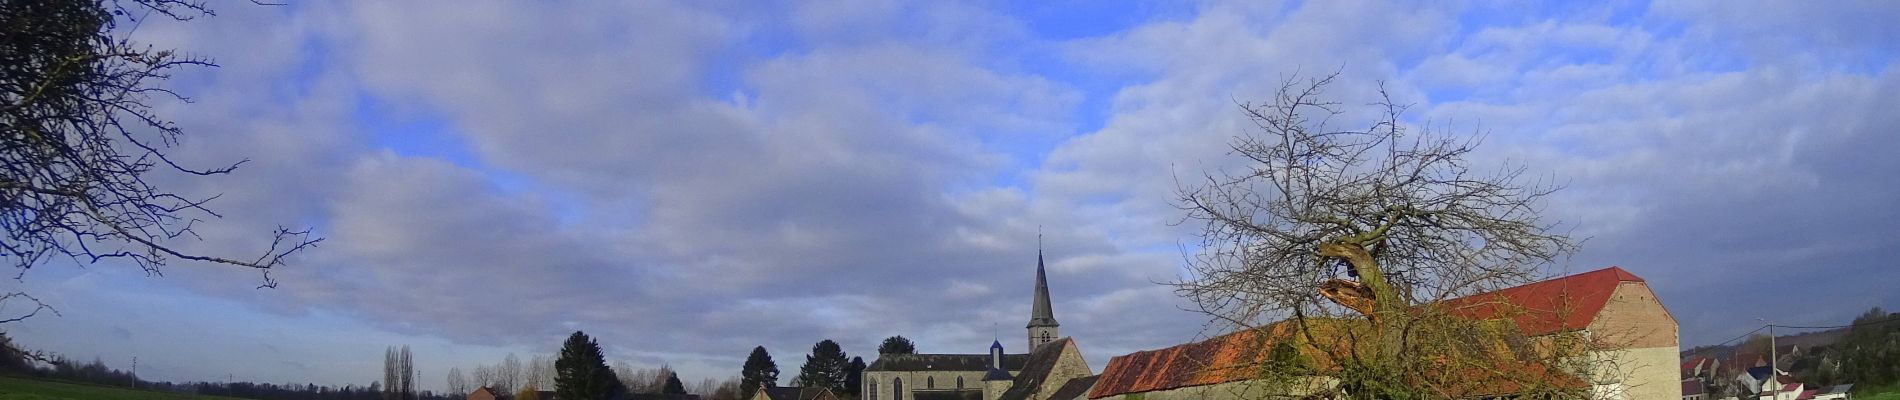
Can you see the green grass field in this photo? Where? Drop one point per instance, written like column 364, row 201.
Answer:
column 1888, row 392
column 17, row 388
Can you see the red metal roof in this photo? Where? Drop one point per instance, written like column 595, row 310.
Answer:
column 1226, row 358
column 1550, row 306
column 1556, row 305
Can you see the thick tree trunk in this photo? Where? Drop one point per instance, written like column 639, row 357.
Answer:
column 1387, row 307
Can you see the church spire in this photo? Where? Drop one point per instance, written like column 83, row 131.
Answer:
column 1042, row 319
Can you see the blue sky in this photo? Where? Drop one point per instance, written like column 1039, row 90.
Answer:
column 686, row 180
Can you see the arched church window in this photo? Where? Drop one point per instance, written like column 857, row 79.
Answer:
column 872, row 391
column 930, row 382
column 897, row 388
column 959, row 382
column 1046, row 337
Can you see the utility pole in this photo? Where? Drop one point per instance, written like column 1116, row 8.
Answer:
column 1774, row 353
column 135, row 372
column 1774, row 371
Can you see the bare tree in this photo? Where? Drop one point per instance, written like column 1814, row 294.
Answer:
column 390, row 368
column 509, row 375
column 541, row 371
column 80, row 143
column 484, row 376
column 458, row 383
column 636, row 380
column 726, row 390
column 1345, row 231
column 399, row 372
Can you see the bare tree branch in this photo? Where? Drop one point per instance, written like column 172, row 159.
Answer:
column 1351, row 230
column 79, row 142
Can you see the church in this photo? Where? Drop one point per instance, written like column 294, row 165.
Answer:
column 1052, row 362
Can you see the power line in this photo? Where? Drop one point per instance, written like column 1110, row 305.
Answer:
column 1739, row 337
column 1889, row 319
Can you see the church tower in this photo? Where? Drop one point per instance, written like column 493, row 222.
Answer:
column 1042, row 320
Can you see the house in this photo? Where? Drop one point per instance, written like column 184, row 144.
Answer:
column 1834, row 392
column 486, row 393
column 793, row 393
column 1781, row 391
column 1700, row 366
column 1609, row 304
column 1694, row 389
column 1230, row 366
column 1786, row 354
column 1757, row 382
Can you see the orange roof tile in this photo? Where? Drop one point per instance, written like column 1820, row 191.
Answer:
column 1550, row 306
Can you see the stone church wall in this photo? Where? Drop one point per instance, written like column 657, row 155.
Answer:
column 918, row 381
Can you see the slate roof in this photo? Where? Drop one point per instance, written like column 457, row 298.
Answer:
column 1556, row 305
column 1040, row 313
column 966, row 394
column 1076, row 389
column 1839, row 389
column 1036, row 370
column 1761, row 374
column 944, row 362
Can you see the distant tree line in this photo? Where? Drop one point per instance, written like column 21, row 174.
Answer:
column 1867, row 355
column 581, row 368
column 14, row 361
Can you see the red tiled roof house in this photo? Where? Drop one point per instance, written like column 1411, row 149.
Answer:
column 1608, row 305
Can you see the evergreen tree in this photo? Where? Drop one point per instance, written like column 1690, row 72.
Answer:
column 854, row 376
column 825, row 367
column 673, row 384
column 759, row 371
column 896, row 345
column 581, row 373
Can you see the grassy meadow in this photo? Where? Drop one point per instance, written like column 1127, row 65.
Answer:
column 21, row 388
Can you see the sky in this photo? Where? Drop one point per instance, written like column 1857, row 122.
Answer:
column 687, row 180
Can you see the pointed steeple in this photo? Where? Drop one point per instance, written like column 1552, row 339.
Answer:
column 1042, row 320
column 1040, row 314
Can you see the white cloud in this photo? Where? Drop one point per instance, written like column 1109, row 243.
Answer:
column 652, row 173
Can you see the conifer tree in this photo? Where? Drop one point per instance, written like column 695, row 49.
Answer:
column 825, row 367
column 581, row 373
column 759, row 371
column 896, row 345
column 673, row 384
column 854, row 376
